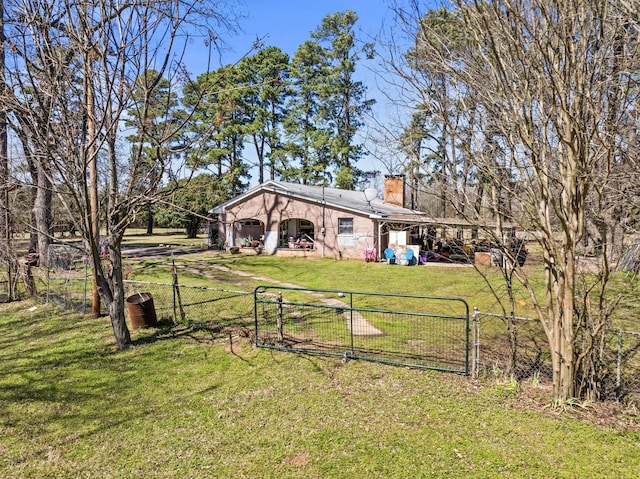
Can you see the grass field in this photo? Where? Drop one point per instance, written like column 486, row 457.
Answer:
column 188, row 403
column 323, row 273
column 182, row 404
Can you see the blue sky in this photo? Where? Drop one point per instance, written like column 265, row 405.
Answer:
column 287, row 24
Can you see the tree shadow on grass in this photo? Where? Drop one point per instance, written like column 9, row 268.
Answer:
column 233, row 333
column 54, row 378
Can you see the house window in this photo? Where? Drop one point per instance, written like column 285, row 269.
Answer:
column 250, row 223
column 345, row 226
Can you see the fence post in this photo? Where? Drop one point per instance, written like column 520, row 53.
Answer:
column 279, row 320
column 176, row 293
column 48, row 285
column 351, row 320
column 85, row 286
column 475, row 349
column 619, row 367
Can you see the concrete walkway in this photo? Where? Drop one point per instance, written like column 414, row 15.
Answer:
column 361, row 327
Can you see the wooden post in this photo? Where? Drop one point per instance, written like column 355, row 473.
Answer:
column 92, row 160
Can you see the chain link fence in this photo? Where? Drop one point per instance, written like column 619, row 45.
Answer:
column 627, row 366
column 517, row 347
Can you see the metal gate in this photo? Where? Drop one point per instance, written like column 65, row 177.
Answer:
column 417, row 331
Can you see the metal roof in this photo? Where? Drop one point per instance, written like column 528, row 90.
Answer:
column 354, row 201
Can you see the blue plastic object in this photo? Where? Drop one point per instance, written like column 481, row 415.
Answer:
column 390, row 256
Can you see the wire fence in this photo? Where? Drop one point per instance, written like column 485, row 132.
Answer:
column 517, row 347
column 196, row 304
column 429, row 332
column 71, row 288
column 499, row 346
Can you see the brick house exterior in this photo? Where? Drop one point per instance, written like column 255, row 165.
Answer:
column 290, row 218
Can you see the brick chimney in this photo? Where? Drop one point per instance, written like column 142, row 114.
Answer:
column 394, row 190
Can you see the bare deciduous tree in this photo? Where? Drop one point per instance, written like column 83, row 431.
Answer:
column 74, row 65
column 554, row 86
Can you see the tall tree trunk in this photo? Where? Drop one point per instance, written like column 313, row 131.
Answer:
column 111, row 290
column 563, row 354
column 5, row 222
column 91, row 155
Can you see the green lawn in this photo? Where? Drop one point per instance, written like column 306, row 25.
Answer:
column 187, row 403
column 193, row 402
column 349, row 275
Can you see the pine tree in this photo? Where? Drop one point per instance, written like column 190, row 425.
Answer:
column 343, row 98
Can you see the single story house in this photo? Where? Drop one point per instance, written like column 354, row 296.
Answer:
column 290, row 218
